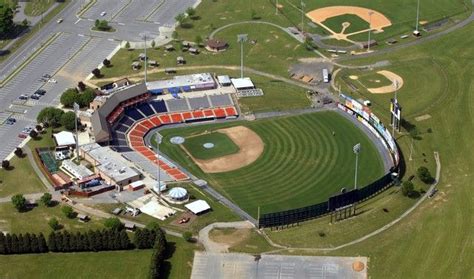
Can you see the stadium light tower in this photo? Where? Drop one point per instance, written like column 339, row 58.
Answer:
column 356, row 150
column 370, row 29
column 76, row 110
column 157, row 151
column 145, row 35
column 395, row 83
column 302, row 16
column 417, row 18
column 241, row 38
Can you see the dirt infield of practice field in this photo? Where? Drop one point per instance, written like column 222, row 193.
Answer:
column 389, row 88
column 378, row 21
column 251, row 147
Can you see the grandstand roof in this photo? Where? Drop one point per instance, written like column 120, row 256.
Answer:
column 203, row 80
column 98, row 120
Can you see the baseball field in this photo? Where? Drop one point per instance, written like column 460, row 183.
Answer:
column 305, row 160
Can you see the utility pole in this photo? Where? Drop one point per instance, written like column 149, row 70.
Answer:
column 276, row 7
column 158, row 142
column 356, row 150
column 241, row 38
column 76, row 109
column 370, row 29
column 417, row 17
column 144, row 35
column 395, row 102
column 302, row 16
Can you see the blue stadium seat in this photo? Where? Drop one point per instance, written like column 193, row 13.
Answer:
column 122, row 128
column 125, row 120
column 146, row 109
column 159, row 106
column 134, row 114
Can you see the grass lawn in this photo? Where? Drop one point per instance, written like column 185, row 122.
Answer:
column 298, row 166
column 37, row 7
column 372, row 79
column 178, row 263
column 356, row 23
column 223, row 146
column 36, row 220
column 109, row 264
column 21, row 179
column 241, row 240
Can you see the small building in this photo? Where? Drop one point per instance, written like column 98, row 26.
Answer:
column 242, row 83
column 198, row 207
column 136, row 65
column 64, row 139
column 153, row 63
column 216, row 45
column 224, row 80
column 180, row 60
column 193, row 51
column 178, row 194
column 370, row 43
column 169, row 48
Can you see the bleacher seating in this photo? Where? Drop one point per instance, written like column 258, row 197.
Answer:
column 159, row 106
column 177, row 105
column 125, row 120
column 122, row 128
column 199, row 103
column 221, row 100
column 146, row 109
column 134, row 114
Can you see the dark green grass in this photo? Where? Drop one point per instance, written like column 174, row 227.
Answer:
column 223, row 146
column 357, row 23
column 302, row 164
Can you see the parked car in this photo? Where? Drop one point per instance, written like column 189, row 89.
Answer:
column 10, row 121
column 35, row 96
column 59, row 20
column 103, row 13
column 23, row 97
column 40, row 92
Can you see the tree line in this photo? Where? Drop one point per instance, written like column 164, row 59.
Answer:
column 22, row 244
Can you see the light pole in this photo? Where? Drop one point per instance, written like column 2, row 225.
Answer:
column 395, row 102
column 241, row 38
column 158, row 142
column 356, row 150
column 144, row 36
column 370, row 29
column 302, row 16
column 76, row 109
column 276, row 7
column 417, row 17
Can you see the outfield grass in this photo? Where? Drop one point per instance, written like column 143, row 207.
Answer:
column 299, row 165
column 114, row 264
column 356, row 23
column 223, row 146
column 371, row 79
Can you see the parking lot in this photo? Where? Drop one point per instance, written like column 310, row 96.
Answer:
column 245, row 266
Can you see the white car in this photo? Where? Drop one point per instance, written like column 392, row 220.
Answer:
column 103, row 13
column 52, row 80
column 59, row 20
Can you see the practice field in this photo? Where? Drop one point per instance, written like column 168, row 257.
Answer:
column 302, row 163
column 223, row 145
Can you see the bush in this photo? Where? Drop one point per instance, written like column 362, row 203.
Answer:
column 425, row 175
column 19, row 152
column 54, row 224
column 188, row 236
column 46, row 199
column 19, row 202
column 5, row 164
column 96, row 73
column 68, row 212
column 81, row 86
column 106, row 62
column 113, row 223
column 33, row 134
column 408, row 188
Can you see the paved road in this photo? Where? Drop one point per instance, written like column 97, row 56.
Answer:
column 72, row 51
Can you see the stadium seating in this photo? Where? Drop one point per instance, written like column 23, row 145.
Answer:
column 134, row 114
column 199, row 103
column 122, row 128
column 159, row 106
column 146, row 109
column 223, row 100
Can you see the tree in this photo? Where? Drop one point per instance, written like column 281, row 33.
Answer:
column 54, row 224
column 175, row 35
column 181, row 19
column 96, row 73
column 81, row 86
column 102, row 25
column 5, row 164
column 42, row 246
column 153, row 44
column 19, row 152
column 113, row 223
column 68, row 212
column 407, row 188
column 69, row 97
column 19, row 202
column 3, row 244
column 199, row 40
column 46, row 199
column 106, row 62
column 50, row 116
column 68, row 120
column 425, row 175
column 309, row 44
column 253, row 14
column 188, row 236
column 127, row 45
column 191, row 12
column 158, row 256
column 39, row 128
column 33, row 134
column 24, row 23
column 6, row 21
column 86, row 97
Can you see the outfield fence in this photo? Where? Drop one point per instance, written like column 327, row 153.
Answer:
column 367, row 118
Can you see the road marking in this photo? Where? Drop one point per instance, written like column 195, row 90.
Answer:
column 122, row 24
column 110, row 39
column 90, row 19
column 77, row 21
column 156, row 22
column 80, row 35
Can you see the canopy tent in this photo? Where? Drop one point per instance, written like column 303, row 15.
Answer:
column 242, row 83
column 64, row 139
column 178, row 193
column 198, row 206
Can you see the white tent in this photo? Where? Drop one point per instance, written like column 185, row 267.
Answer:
column 242, row 83
column 198, row 206
column 64, row 138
